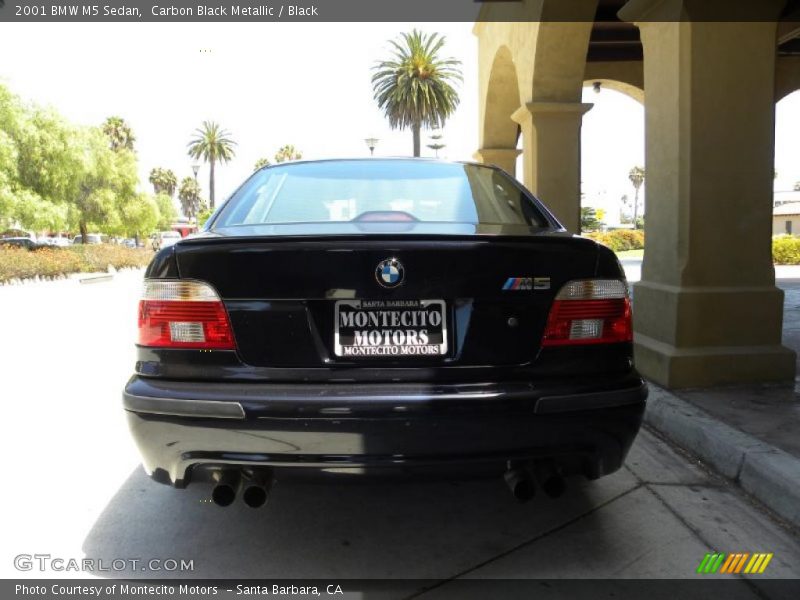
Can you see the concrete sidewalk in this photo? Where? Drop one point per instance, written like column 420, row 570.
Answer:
column 747, row 433
column 767, row 472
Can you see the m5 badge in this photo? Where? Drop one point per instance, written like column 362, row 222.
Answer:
column 526, row 283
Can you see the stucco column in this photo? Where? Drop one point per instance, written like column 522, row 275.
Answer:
column 551, row 141
column 707, row 310
column 505, row 158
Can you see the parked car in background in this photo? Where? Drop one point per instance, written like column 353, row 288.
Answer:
column 164, row 239
column 18, row 242
column 92, row 238
column 57, row 242
column 128, row 243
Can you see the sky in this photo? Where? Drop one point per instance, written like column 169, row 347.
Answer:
column 306, row 84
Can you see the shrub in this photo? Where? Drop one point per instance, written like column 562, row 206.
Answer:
column 19, row 263
column 620, row 240
column 786, row 250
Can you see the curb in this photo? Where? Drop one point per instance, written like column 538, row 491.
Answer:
column 764, row 471
column 80, row 277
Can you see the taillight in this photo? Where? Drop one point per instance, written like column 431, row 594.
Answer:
column 183, row 314
column 591, row 311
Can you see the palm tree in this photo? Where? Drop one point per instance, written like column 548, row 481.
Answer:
column 637, row 179
column 189, row 195
column 211, row 143
column 414, row 87
column 261, row 163
column 287, row 152
column 120, row 135
column 164, row 181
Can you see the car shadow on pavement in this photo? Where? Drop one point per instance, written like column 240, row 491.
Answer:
column 418, row 530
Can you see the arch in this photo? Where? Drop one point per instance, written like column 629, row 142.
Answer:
column 622, row 87
column 787, row 113
column 502, row 99
column 626, row 77
column 560, row 61
column 787, row 76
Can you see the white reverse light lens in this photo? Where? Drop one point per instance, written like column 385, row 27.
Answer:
column 593, row 289
column 184, row 331
column 187, row 291
column 583, row 329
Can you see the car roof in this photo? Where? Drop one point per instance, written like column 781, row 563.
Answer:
column 380, row 159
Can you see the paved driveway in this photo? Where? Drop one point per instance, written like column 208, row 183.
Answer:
column 74, row 487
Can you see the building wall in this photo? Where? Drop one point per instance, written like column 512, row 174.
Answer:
column 779, row 224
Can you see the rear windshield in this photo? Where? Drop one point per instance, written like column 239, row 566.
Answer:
column 380, row 191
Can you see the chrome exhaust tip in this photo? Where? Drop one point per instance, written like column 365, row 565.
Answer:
column 255, row 496
column 258, row 484
column 521, row 483
column 224, row 492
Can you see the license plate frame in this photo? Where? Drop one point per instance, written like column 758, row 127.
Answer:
column 438, row 347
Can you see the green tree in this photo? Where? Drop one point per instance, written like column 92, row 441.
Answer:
column 189, row 195
column 167, row 213
column 203, row 215
column 636, row 177
column 119, row 134
column 140, row 215
column 286, row 153
column 212, row 144
column 104, row 181
column 414, row 87
column 589, row 220
column 163, row 181
column 56, row 176
column 261, row 163
column 37, row 158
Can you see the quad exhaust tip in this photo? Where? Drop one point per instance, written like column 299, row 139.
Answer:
column 254, row 487
column 522, row 481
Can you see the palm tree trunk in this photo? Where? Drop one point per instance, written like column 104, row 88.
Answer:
column 415, row 129
column 211, row 186
column 636, row 209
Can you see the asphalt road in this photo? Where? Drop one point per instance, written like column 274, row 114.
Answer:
column 74, row 489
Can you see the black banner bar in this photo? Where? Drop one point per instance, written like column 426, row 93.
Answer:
column 701, row 588
column 224, row 11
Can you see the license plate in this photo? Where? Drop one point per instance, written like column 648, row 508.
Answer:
column 390, row 328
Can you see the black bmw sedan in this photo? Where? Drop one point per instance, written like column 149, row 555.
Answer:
column 383, row 317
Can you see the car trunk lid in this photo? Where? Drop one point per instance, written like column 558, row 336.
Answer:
column 281, row 292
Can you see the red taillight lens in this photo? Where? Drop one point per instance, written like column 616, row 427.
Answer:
column 594, row 311
column 183, row 314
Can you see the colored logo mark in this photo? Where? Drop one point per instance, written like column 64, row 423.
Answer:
column 518, row 283
column 737, row 562
column 390, row 272
column 527, row 283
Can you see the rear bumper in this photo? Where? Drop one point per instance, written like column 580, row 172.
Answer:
column 586, row 427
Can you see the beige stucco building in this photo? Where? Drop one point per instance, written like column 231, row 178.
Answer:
column 786, row 217
column 709, row 85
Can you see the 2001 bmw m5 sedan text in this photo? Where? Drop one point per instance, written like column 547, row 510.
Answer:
column 383, row 317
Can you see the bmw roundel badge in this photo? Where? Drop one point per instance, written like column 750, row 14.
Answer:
column 390, row 273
